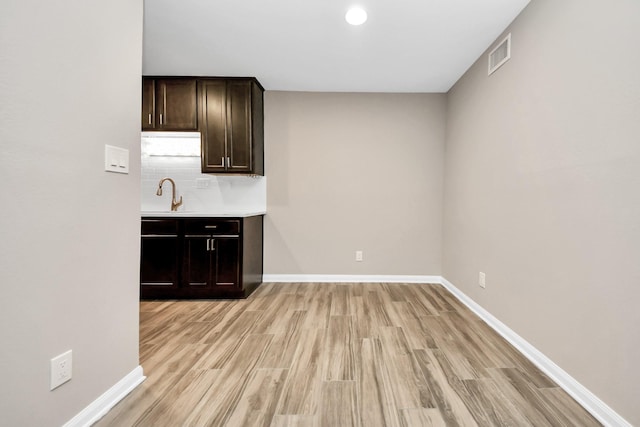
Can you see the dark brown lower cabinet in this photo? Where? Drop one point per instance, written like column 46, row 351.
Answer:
column 216, row 258
column 211, row 263
column 159, row 256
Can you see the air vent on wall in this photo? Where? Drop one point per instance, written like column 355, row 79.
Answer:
column 500, row 54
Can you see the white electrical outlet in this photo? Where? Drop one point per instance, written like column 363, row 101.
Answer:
column 202, row 182
column 61, row 367
column 482, row 280
column 359, row 256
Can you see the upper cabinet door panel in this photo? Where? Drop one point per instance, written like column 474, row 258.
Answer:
column 232, row 139
column 239, row 139
column 213, row 113
column 169, row 104
column 148, row 104
column 176, row 103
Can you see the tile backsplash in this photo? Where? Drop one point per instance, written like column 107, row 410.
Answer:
column 200, row 192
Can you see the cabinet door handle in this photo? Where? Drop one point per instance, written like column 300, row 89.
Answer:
column 208, row 244
column 222, row 164
column 213, row 248
column 160, row 118
column 149, row 118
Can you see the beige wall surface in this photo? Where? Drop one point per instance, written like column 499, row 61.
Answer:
column 542, row 190
column 347, row 172
column 69, row 232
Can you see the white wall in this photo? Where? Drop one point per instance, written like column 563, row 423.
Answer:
column 69, row 232
column 353, row 171
column 542, row 183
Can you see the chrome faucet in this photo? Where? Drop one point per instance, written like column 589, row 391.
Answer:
column 174, row 203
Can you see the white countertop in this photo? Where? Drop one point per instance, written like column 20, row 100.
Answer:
column 199, row 214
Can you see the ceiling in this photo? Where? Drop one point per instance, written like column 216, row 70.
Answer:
column 306, row 45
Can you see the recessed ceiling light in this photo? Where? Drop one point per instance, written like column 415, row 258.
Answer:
column 356, row 16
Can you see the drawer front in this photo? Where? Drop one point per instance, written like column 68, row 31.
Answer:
column 212, row 226
column 158, row 226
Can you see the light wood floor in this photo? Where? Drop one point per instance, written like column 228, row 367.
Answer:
column 334, row 355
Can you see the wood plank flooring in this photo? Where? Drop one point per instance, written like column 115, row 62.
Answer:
column 319, row 354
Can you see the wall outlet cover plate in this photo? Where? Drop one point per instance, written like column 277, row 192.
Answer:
column 61, row 368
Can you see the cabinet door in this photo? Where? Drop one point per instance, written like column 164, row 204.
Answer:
column 213, row 113
column 159, row 262
column 239, row 138
column 159, row 258
column 176, row 103
column 227, row 261
column 197, row 262
column 148, row 104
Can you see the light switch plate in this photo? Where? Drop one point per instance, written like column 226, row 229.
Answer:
column 116, row 159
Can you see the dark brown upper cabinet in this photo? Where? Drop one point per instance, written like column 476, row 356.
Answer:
column 232, row 125
column 169, row 104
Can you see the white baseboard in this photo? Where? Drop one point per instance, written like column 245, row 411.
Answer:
column 99, row 407
column 343, row 278
column 600, row 410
